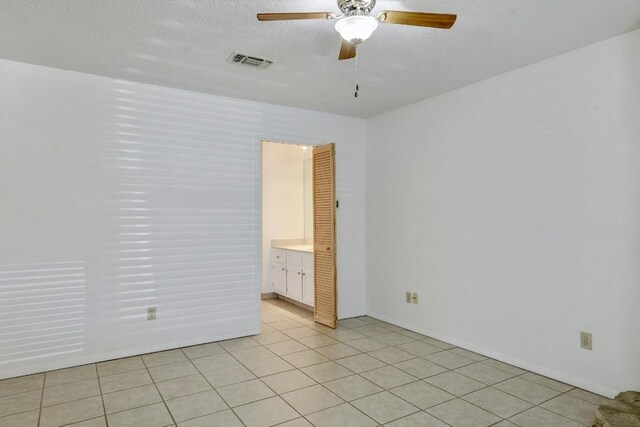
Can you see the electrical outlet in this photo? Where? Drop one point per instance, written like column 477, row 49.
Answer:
column 408, row 297
column 151, row 313
column 586, row 341
column 414, row 298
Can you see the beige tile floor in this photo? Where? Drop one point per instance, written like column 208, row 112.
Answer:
column 297, row 373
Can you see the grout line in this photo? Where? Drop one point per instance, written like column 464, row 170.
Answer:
column 158, row 390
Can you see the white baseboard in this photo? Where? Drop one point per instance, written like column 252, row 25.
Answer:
column 529, row 366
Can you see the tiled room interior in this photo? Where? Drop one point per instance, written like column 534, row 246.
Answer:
column 298, row 373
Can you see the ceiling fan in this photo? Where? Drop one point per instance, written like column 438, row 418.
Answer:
column 356, row 24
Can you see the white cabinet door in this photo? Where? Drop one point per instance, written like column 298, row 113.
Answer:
column 279, row 279
column 308, row 286
column 294, row 282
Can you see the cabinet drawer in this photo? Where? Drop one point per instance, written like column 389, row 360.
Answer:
column 294, row 258
column 279, row 256
column 307, row 261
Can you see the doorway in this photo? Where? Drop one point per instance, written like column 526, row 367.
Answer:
column 298, row 227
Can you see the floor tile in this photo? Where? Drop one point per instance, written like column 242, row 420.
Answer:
column 93, row 422
column 311, row 399
column 131, row 398
column 21, row 384
column 353, row 322
column 422, row 394
column 67, row 413
column 125, row 380
column 420, row 368
column 587, row 396
column 253, row 354
column 388, row 377
column 305, row 358
column 218, row 361
column 70, row 391
column 459, row 413
column 455, row 383
column 344, row 335
column 196, row 405
column 360, row 363
column 298, row 422
column 394, row 339
column 239, row 344
column 283, row 325
column 449, row 360
column 301, row 332
column 24, row 419
column 384, row 407
column 547, row 382
column 504, row 367
column 469, row 354
column 286, row 347
column 371, row 330
column 341, row 415
column 438, row 343
column 391, row 355
column 70, row 375
column 575, row 409
column 119, row 366
column 288, row 381
column 505, row 423
column 367, row 344
column 147, row 416
column 227, row 376
column 537, row 417
column 353, row 387
column 497, row 402
column 203, row 350
column 220, row 419
column 164, row 358
column 271, row 337
column 419, row 419
column 172, row 371
column 274, row 365
column 246, row 392
column 526, row 390
column 419, row 348
column 416, row 336
column 265, row 413
column 484, row 373
column 326, row 371
column 315, row 341
column 21, row 402
column 337, row 351
column 183, row 386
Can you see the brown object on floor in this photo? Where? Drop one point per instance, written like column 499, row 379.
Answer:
column 623, row 411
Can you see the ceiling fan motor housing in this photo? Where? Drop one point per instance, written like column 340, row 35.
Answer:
column 356, row 7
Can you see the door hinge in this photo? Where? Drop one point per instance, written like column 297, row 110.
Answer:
column 337, row 204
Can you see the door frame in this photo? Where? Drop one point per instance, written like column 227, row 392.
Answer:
column 259, row 238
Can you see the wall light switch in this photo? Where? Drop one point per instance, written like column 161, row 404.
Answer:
column 408, row 297
column 414, row 298
column 151, row 313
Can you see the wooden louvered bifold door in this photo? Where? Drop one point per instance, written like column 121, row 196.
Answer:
column 324, row 235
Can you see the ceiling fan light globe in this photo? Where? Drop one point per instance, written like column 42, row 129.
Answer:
column 356, row 29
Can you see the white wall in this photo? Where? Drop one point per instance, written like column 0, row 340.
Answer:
column 282, row 199
column 116, row 196
column 513, row 207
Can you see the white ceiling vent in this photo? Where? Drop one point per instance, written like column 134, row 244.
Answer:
column 250, row 61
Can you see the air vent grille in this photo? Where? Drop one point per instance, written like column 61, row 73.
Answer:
column 250, row 61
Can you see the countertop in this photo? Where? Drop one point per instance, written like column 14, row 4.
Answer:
column 300, row 248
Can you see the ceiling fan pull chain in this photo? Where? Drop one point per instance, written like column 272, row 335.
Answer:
column 357, row 85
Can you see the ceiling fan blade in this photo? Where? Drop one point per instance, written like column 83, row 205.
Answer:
column 294, row 16
column 419, row 19
column 347, row 50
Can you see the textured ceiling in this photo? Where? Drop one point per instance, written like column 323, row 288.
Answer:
column 185, row 43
